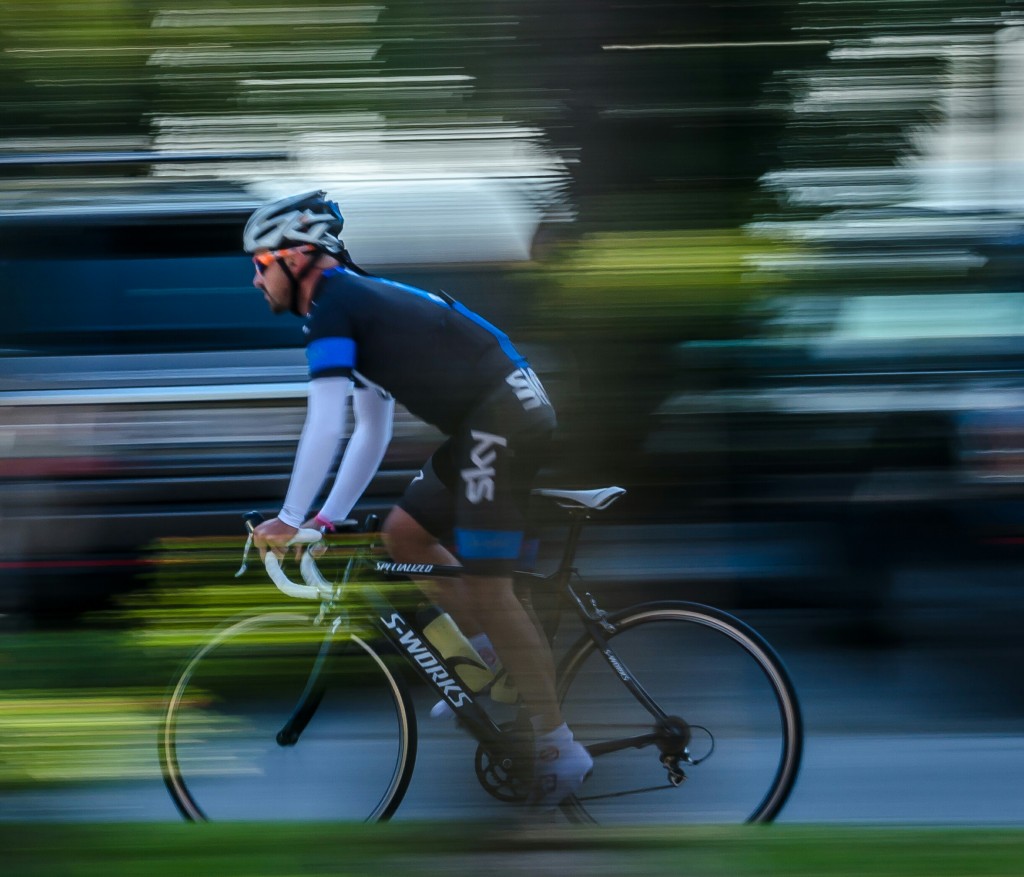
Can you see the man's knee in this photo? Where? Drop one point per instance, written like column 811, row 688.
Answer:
column 404, row 537
column 490, row 594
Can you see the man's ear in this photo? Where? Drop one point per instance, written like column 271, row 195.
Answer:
column 296, row 260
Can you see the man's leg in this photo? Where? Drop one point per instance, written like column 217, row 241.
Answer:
column 409, row 542
column 476, row 488
column 484, row 603
column 523, row 650
column 561, row 763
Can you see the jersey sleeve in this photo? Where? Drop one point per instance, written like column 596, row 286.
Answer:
column 318, row 445
column 330, row 340
column 363, row 453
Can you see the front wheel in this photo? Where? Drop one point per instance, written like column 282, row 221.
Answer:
column 730, row 752
column 276, row 718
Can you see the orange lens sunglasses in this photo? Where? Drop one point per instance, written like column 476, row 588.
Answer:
column 262, row 261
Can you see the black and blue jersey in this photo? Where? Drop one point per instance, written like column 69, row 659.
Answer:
column 453, row 369
column 434, row 355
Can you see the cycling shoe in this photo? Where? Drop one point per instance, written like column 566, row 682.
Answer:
column 559, row 772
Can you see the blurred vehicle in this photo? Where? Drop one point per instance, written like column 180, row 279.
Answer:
column 145, row 389
column 889, row 424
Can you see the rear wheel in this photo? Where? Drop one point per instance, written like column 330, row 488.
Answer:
column 276, row 718
column 730, row 752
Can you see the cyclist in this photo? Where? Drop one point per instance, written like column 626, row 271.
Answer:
column 380, row 341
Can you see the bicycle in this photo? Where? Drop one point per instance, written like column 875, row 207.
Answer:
column 688, row 713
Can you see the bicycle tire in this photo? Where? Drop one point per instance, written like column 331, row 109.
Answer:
column 222, row 750
column 735, row 693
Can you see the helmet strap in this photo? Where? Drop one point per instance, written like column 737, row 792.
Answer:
column 295, row 281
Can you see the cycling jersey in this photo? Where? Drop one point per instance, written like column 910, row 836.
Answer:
column 434, row 355
column 451, row 368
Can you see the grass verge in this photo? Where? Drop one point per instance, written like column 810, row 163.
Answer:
column 444, row 848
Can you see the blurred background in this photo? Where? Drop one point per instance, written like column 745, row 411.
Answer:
column 766, row 255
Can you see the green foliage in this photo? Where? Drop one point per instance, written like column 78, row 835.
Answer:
column 66, row 736
column 81, row 68
column 669, row 285
column 85, row 705
column 191, row 588
column 122, row 68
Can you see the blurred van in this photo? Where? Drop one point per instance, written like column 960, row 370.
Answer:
column 147, row 392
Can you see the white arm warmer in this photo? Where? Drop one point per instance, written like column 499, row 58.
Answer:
column 322, row 433
column 370, row 436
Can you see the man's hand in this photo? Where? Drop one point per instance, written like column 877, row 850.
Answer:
column 312, row 524
column 275, row 535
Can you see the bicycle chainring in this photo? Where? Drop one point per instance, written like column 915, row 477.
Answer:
column 505, row 774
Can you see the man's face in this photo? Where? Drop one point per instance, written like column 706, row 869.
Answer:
column 272, row 280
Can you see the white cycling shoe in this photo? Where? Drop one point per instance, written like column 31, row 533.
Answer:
column 561, row 766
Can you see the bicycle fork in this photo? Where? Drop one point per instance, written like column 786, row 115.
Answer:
column 309, row 700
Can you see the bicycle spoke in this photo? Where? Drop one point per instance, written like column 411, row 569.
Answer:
column 735, row 710
column 266, row 723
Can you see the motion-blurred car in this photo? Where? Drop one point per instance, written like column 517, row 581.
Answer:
column 888, row 427
column 147, row 392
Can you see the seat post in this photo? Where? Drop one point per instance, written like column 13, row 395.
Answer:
column 577, row 517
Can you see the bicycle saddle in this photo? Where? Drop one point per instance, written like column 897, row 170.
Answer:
column 598, row 499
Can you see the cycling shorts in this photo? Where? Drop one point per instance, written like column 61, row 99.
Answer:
column 474, row 491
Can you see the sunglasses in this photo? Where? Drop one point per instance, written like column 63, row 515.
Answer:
column 263, row 261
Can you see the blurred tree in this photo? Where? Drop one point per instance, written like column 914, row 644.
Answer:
column 883, row 76
column 656, row 100
column 75, row 68
column 653, row 99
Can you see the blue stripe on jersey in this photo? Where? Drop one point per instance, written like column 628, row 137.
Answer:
column 330, row 353
column 503, row 340
column 488, row 544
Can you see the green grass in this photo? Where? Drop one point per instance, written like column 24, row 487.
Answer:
column 471, row 849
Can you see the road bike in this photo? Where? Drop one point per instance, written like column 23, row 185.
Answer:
column 689, row 713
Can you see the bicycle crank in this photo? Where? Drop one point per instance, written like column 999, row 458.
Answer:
column 505, row 773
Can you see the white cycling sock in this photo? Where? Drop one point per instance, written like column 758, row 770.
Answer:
column 485, row 649
column 559, row 738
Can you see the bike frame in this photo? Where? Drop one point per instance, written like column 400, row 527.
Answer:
column 404, row 634
column 354, row 612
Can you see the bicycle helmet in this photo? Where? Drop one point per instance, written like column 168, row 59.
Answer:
column 309, row 218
